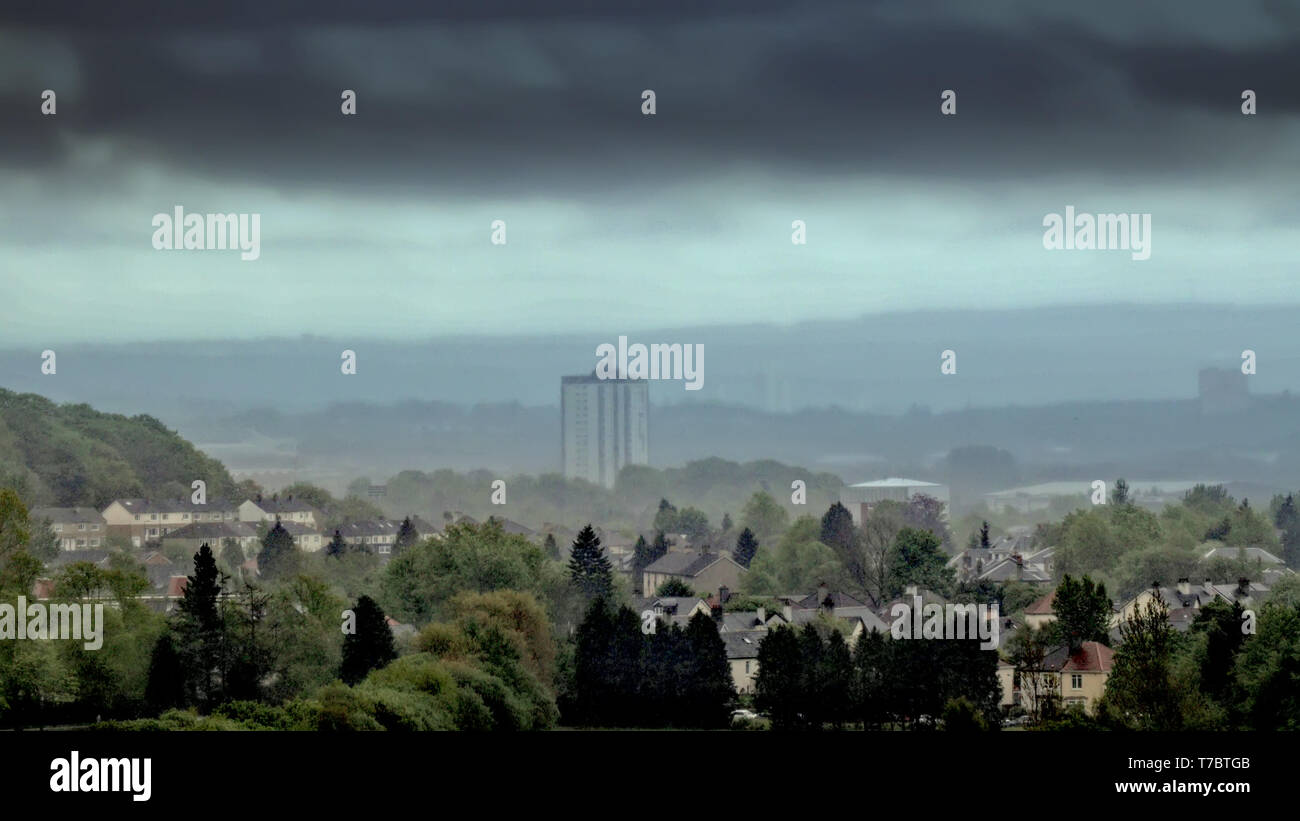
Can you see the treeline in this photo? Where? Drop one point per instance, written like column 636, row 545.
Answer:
column 73, row 455
column 716, row 488
column 809, row 679
column 627, row 673
column 1129, row 546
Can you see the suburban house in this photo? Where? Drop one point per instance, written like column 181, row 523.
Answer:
column 1185, row 599
column 305, row 537
column 742, row 657
column 375, row 535
column 75, row 527
column 1039, row 613
column 142, row 520
column 215, row 535
column 286, row 510
column 1076, row 678
column 1084, row 674
column 701, row 572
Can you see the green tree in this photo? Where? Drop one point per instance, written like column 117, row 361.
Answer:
column 746, row 548
column 1082, row 611
column 1120, row 495
column 589, row 568
column 279, row 556
column 674, row 588
column 918, row 559
column 406, row 537
column 777, row 685
column 166, row 686
column 666, row 517
column 694, row 524
column 1141, row 692
column 336, row 547
column 370, row 646
column 764, row 517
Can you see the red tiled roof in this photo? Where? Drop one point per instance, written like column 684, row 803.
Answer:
column 176, row 586
column 1042, row 607
column 43, row 588
column 1092, row 657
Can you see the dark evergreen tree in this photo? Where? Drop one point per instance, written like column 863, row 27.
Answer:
column 838, row 530
column 984, row 536
column 165, row 688
column 279, row 556
column 727, row 524
column 406, row 537
column 200, row 631
column 641, row 559
column 812, row 678
column 552, row 549
column 370, row 647
column 666, row 517
column 777, row 686
column 336, row 547
column 746, row 547
column 593, row 643
column 709, row 690
column 837, row 681
column 674, row 588
column 870, row 689
column 589, row 568
column 659, row 548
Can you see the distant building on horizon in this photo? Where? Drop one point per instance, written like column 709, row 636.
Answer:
column 604, row 425
column 863, row 496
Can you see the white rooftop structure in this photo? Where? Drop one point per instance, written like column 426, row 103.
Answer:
column 861, row 497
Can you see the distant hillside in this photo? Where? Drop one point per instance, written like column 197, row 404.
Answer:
column 74, row 455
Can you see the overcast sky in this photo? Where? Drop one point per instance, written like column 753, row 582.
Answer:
column 530, row 112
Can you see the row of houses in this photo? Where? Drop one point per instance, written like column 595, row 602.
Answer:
column 187, row 525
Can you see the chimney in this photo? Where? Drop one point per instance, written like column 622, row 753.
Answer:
column 910, row 590
column 1243, row 586
column 823, row 593
column 1184, row 587
column 762, row 615
column 724, row 593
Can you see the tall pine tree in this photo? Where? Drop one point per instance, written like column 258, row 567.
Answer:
column 370, row 646
column 746, row 547
column 406, row 537
column 279, row 556
column 589, row 568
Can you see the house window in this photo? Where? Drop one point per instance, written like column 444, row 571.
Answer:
column 81, row 542
column 747, row 668
column 1076, row 681
column 94, row 527
column 383, row 549
column 58, row 528
column 81, row 526
column 94, row 542
column 185, row 517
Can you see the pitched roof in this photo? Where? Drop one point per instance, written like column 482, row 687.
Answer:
column 743, row 644
column 172, row 505
column 213, row 530
column 1043, row 606
column 811, row 602
column 67, row 515
column 686, row 564
column 1247, row 553
column 1091, row 657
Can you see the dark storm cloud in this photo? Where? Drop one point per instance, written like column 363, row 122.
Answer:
column 486, row 97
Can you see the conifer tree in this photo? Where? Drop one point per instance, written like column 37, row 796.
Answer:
column 165, row 688
column 552, row 549
column 370, row 646
column 746, row 548
column 279, row 556
column 406, row 537
column 337, row 547
column 589, row 568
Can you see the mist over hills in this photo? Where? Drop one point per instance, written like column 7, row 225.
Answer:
column 1066, row 391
